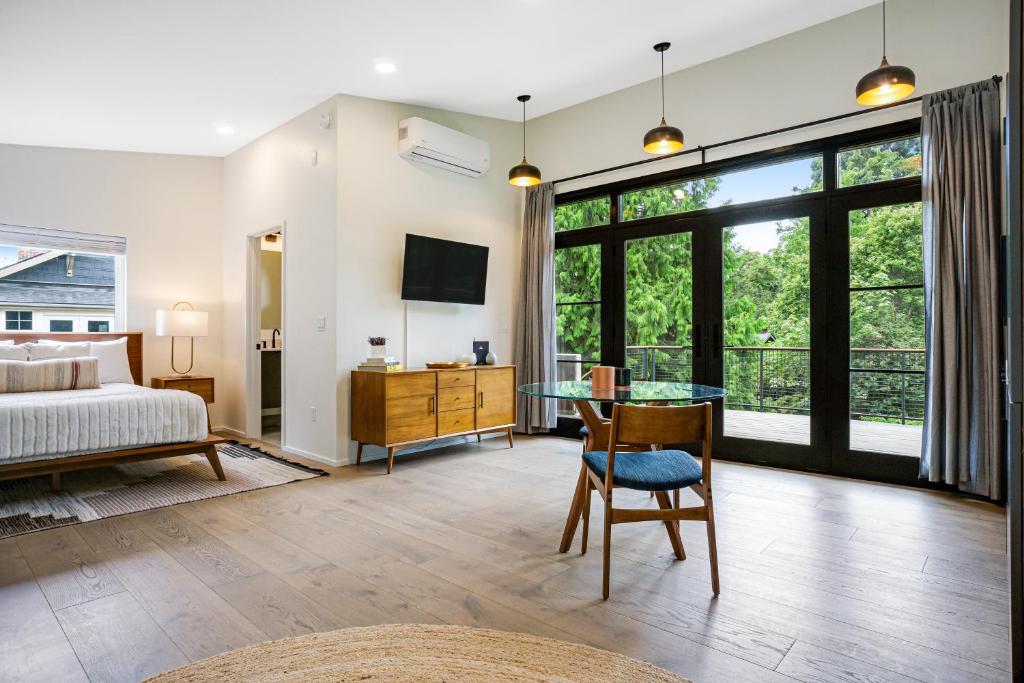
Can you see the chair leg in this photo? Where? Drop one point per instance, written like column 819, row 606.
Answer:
column 671, row 526
column 391, row 459
column 575, row 508
column 712, row 545
column 586, row 516
column 607, row 564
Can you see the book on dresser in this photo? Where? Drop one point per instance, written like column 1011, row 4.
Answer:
column 395, row 408
column 381, row 364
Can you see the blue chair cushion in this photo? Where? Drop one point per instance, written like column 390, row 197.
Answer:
column 648, row 470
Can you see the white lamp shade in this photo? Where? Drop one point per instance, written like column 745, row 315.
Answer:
column 178, row 323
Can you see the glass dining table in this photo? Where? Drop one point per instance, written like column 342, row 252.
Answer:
column 584, row 396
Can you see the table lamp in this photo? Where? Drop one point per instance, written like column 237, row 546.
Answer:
column 179, row 321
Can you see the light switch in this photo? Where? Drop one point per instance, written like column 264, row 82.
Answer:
column 315, row 158
column 321, row 323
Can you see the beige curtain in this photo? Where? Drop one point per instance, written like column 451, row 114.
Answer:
column 962, row 223
column 535, row 322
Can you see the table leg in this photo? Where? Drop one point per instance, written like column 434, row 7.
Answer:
column 598, row 440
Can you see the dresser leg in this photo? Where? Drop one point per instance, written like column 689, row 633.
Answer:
column 359, row 451
column 510, row 443
column 478, row 437
column 391, row 458
column 55, row 481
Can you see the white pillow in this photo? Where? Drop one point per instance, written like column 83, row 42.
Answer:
column 113, row 357
column 56, row 342
column 6, row 342
column 14, row 352
column 46, row 351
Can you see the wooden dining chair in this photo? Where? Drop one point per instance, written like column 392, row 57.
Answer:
column 624, row 465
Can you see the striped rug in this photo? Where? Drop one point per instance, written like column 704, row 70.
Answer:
column 28, row 505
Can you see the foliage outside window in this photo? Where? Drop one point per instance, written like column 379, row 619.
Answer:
column 880, row 162
column 586, row 213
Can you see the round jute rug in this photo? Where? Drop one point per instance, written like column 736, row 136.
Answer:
column 419, row 652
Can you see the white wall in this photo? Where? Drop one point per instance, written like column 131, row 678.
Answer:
column 167, row 206
column 270, row 182
column 381, row 197
column 799, row 77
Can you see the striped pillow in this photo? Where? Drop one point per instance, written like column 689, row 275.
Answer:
column 57, row 374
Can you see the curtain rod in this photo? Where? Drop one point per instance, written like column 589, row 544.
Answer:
column 704, row 148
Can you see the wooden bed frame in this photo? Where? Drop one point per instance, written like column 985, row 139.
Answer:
column 55, row 466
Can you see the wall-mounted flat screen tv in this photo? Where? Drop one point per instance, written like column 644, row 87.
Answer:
column 442, row 270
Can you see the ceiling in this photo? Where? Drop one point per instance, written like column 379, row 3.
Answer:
column 162, row 75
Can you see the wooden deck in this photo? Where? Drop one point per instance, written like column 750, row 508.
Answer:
column 876, row 437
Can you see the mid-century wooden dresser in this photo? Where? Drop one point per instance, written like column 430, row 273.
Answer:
column 394, row 409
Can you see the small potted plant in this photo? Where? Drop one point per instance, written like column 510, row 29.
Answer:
column 378, row 347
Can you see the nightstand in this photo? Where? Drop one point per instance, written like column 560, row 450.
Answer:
column 200, row 385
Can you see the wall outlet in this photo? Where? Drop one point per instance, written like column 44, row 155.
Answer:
column 321, row 323
column 312, row 413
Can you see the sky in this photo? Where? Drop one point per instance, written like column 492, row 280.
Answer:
column 766, row 182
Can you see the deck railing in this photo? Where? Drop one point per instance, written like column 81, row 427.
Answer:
column 885, row 384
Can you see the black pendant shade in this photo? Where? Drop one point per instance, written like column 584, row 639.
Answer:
column 524, row 174
column 663, row 139
column 887, row 83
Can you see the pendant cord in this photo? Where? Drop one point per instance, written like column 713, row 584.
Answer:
column 883, row 30
column 663, row 85
column 524, row 129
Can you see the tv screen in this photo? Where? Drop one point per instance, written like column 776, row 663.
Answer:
column 442, row 270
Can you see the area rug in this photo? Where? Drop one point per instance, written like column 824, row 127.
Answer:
column 28, row 505
column 418, row 652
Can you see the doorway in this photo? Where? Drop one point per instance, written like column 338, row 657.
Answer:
column 265, row 337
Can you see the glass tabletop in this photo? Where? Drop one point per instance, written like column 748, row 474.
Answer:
column 639, row 392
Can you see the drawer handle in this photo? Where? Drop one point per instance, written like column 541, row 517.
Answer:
column 481, row 399
column 431, row 405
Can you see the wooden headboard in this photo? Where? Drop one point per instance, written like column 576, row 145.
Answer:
column 134, row 343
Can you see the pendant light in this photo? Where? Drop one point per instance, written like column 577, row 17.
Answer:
column 664, row 139
column 886, row 84
column 524, row 174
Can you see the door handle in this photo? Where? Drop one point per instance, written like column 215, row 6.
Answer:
column 431, row 405
column 481, row 399
column 716, row 340
column 698, row 341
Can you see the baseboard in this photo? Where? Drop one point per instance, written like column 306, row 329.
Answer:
column 332, row 462
column 230, row 430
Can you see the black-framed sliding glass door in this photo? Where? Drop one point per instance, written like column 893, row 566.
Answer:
column 766, row 310
column 877, row 412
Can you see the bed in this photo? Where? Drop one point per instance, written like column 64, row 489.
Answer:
column 50, row 432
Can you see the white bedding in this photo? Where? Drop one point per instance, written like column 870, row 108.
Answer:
column 52, row 424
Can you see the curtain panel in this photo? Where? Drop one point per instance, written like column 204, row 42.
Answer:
column 535, row 322
column 962, row 225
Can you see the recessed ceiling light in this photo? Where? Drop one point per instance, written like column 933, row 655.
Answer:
column 225, row 130
column 385, row 67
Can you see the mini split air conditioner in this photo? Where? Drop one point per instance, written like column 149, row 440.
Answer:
column 433, row 144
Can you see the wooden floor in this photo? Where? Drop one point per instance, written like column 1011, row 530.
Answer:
column 823, row 579
column 877, row 437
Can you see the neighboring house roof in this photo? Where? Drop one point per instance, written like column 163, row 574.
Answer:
column 44, row 281
column 55, row 296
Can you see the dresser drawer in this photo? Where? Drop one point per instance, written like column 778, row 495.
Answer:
column 456, row 421
column 456, row 378
column 411, row 384
column 455, row 398
column 411, row 418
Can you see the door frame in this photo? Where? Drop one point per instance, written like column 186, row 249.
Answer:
column 253, row 377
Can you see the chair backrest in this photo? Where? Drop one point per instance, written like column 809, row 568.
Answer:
column 649, row 425
column 641, row 425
